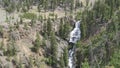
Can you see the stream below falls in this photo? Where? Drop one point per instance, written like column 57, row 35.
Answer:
column 71, row 60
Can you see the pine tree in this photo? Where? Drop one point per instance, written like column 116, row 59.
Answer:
column 37, row 43
column 21, row 20
column 65, row 56
column 45, row 30
column 71, row 5
column 25, row 26
column 61, row 28
column 39, row 7
column 85, row 64
column 53, row 49
column 17, row 25
column 1, row 45
column 1, row 31
column 45, row 5
column 32, row 22
column 28, row 4
column 62, row 64
column 6, row 3
column 11, row 51
column 66, row 30
column 49, row 26
column 78, row 59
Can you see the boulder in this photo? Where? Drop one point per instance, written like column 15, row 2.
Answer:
column 15, row 35
column 1, row 66
column 8, row 65
column 1, row 53
column 24, row 60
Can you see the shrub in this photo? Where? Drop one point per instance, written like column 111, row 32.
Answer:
column 29, row 16
column 37, row 43
column 11, row 51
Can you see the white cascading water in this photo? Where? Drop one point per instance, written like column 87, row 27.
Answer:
column 74, row 37
column 71, row 58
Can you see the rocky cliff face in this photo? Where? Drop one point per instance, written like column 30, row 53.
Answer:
column 23, row 38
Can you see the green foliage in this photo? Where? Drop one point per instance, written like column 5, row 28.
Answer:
column 115, row 59
column 78, row 4
column 64, row 29
column 62, row 62
column 49, row 26
column 44, row 31
column 6, row 2
column 79, row 58
column 53, row 49
column 33, row 21
column 40, row 18
column 85, row 64
column 71, row 5
column 37, row 62
column 61, row 28
column 26, row 5
column 49, row 61
column 43, row 43
column 25, row 26
column 24, row 9
column 1, row 31
column 29, row 16
column 9, row 5
column 65, row 56
column 53, row 42
column 17, row 25
column 21, row 20
column 105, row 14
column 31, row 61
column 91, row 19
column 11, row 50
column 37, row 43
column 1, row 45
column 18, row 6
column 51, row 14
column 39, row 7
column 11, row 8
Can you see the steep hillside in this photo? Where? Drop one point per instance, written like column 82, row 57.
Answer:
column 35, row 33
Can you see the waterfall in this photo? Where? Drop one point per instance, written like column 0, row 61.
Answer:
column 74, row 37
column 71, row 58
